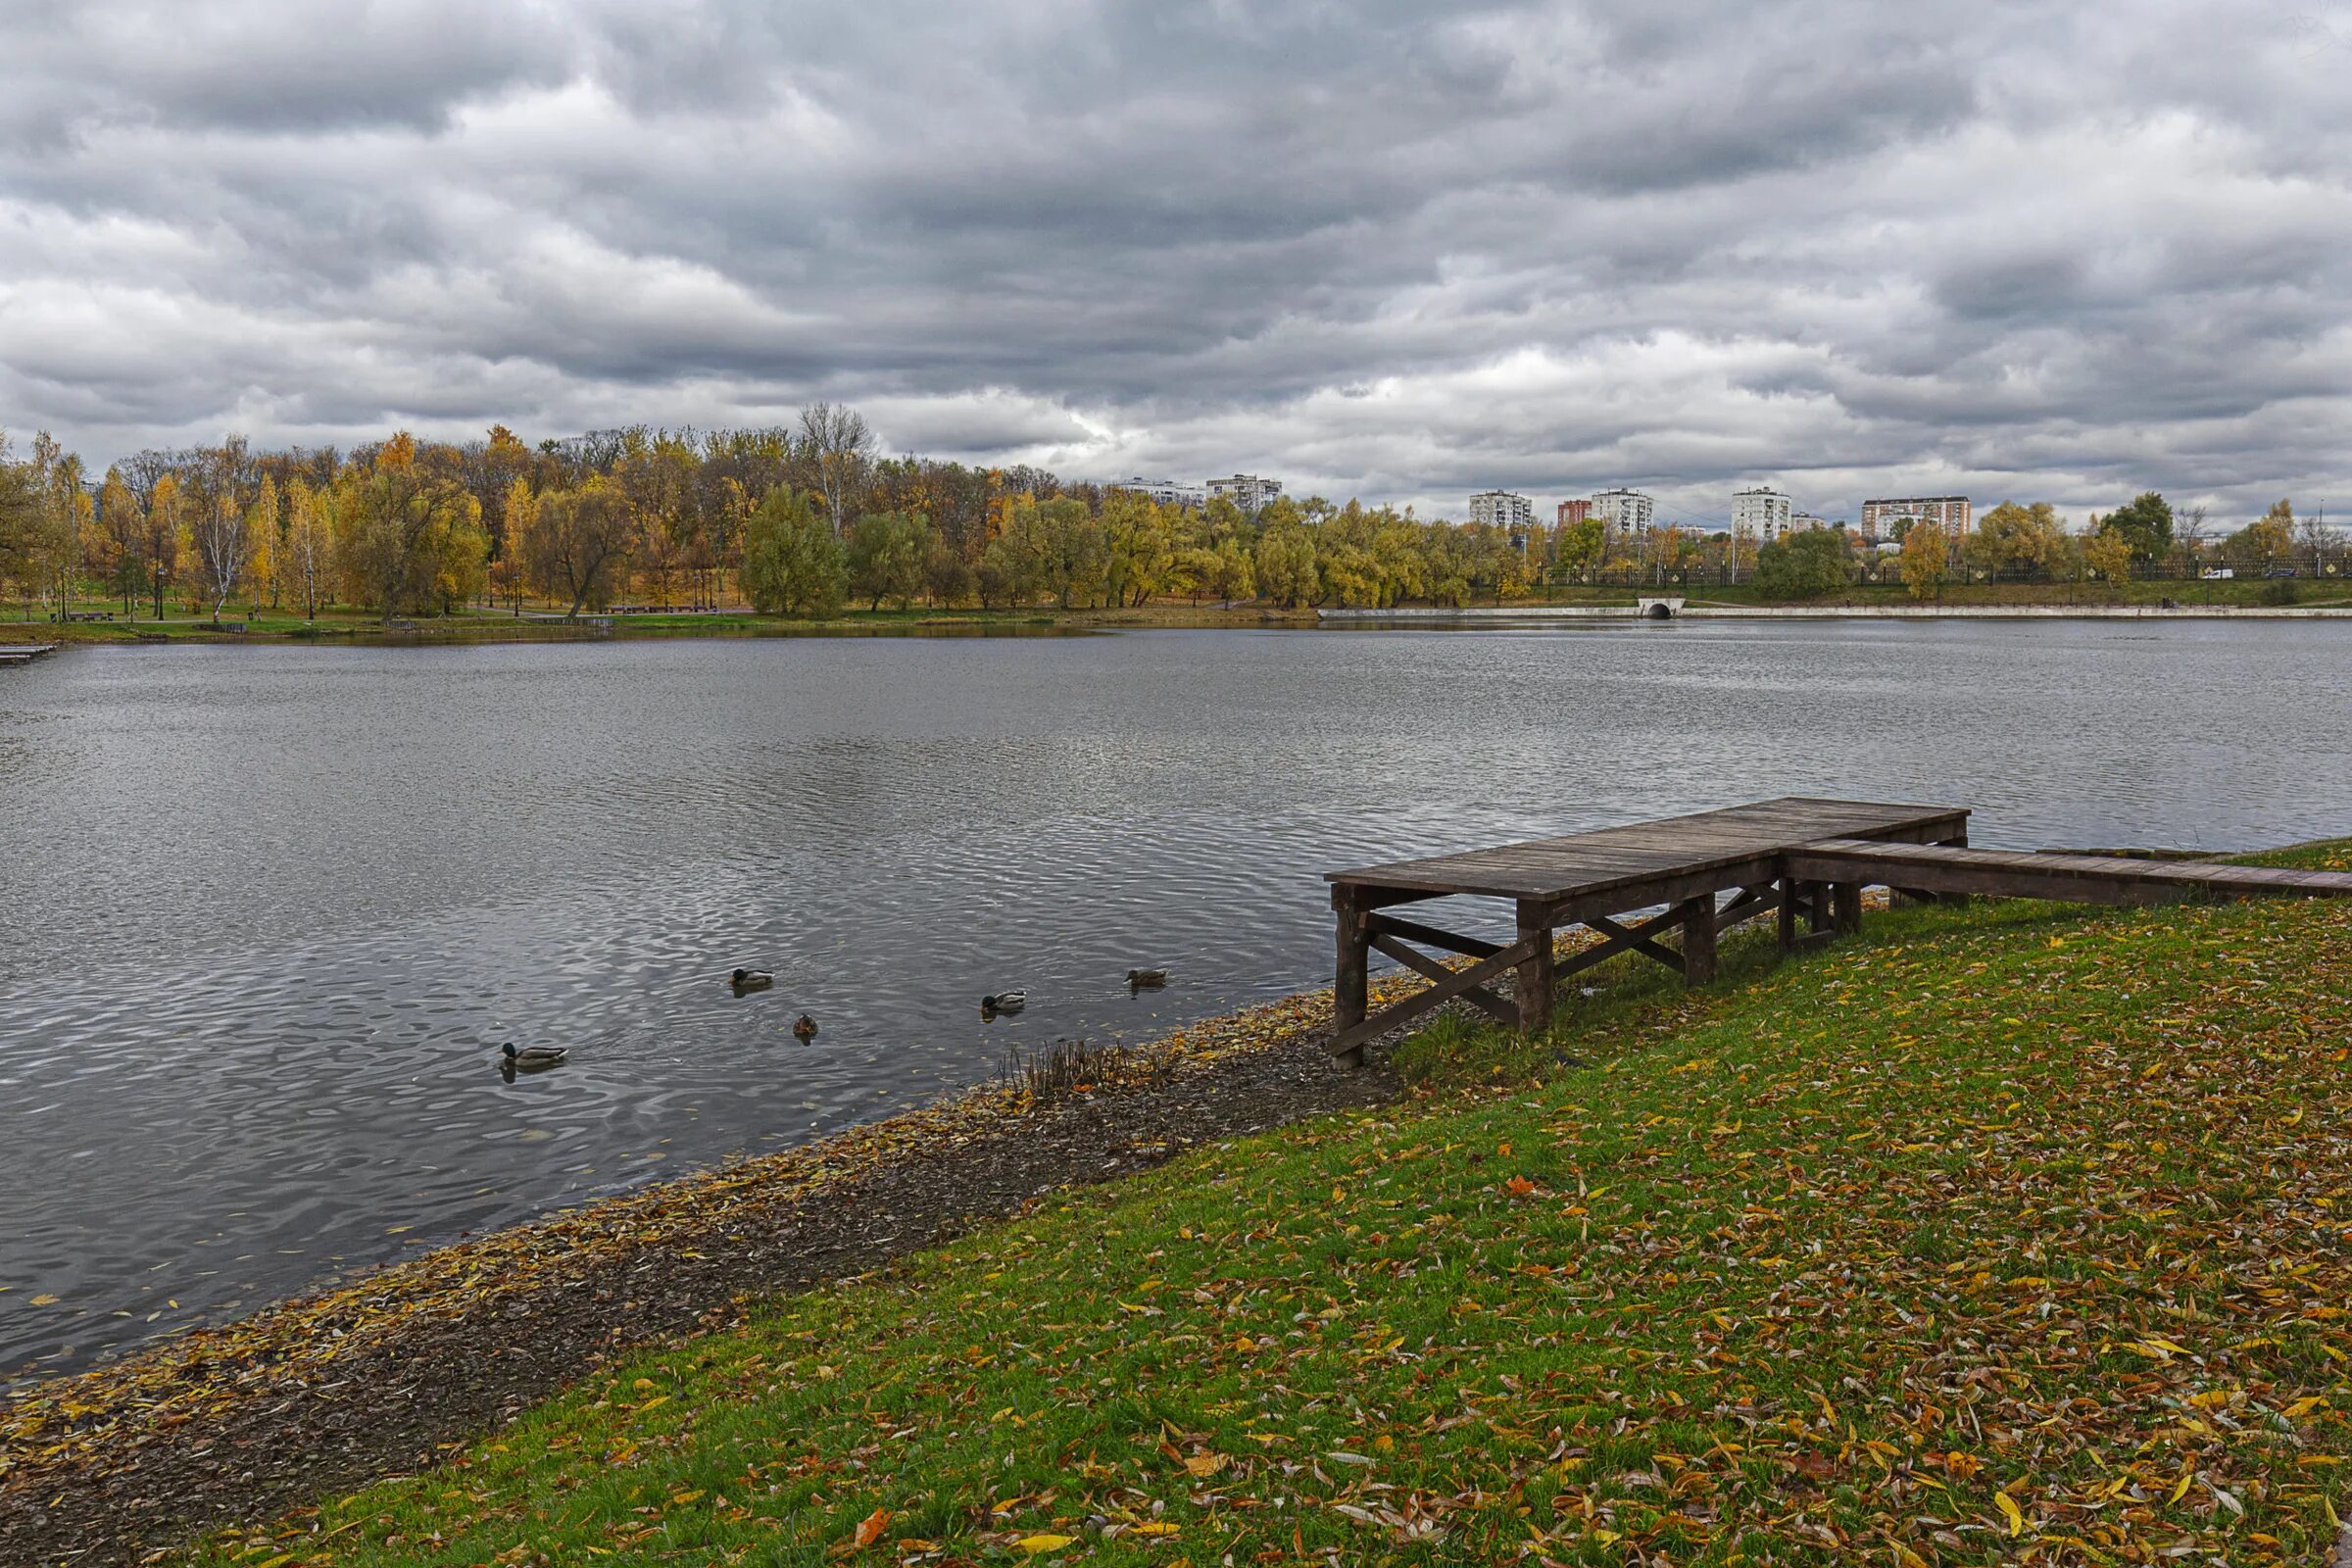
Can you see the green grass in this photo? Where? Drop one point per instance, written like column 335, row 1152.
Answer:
column 2012, row 1234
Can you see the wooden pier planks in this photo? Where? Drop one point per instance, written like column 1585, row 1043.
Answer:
column 2071, row 878
column 1591, row 879
column 1796, row 855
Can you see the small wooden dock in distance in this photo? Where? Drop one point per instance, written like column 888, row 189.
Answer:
column 23, row 652
column 1803, row 860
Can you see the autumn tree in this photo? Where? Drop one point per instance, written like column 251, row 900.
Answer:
column 1069, row 553
column 1577, row 546
column 223, row 536
column 19, row 519
column 579, row 542
column 1285, row 567
column 164, row 531
column 309, row 547
column 406, row 539
column 2016, row 539
column 123, row 522
column 885, row 556
column 1139, row 537
column 60, row 522
column 264, row 523
column 1926, row 554
column 2261, row 543
column 1006, row 574
column 837, row 448
column 793, row 563
column 2109, row 552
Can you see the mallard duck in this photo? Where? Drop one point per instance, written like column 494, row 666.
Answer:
column 750, row 979
column 1005, row 1001
column 1146, row 979
column 804, row 1028
column 534, row 1058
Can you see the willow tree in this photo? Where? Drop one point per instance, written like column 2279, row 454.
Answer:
column 405, row 539
column 579, row 542
column 792, row 562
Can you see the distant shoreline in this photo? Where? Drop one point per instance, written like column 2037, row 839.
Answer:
column 356, row 631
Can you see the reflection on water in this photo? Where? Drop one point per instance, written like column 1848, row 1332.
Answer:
column 275, row 909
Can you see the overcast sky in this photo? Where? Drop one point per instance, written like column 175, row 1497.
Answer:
column 1404, row 251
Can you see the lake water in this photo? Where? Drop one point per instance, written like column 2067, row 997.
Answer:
column 270, row 910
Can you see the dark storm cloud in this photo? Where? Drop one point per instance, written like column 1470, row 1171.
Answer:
column 1386, row 248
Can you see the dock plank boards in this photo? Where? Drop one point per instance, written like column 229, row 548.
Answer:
column 1580, row 864
column 2072, row 878
column 1798, row 854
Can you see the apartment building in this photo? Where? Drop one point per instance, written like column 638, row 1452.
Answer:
column 1763, row 514
column 1245, row 490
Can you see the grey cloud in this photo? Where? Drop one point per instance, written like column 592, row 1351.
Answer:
column 1386, row 248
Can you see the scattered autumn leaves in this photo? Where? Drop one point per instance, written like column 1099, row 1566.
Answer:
column 2016, row 1235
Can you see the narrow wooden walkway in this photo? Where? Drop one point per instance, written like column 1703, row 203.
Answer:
column 1804, row 860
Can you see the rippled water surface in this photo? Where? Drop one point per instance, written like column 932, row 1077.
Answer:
column 272, row 909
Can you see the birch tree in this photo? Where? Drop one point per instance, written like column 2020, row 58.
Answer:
column 308, row 545
column 838, row 448
column 223, row 538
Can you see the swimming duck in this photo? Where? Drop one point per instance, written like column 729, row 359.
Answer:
column 1146, row 979
column 1005, row 1001
column 534, row 1058
column 804, row 1028
column 750, row 980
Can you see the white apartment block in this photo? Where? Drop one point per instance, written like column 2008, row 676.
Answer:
column 1501, row 509
column 1799, row 522
column 1623, row 511
column 1952, row 513
column 1763, row 514
column 1245, row 490
column 1167, row 492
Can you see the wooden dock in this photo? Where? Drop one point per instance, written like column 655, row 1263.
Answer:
column 23, row 652
column 1806, row 862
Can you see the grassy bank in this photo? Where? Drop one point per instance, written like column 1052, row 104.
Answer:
column 2015, row 1234
column 19, row 624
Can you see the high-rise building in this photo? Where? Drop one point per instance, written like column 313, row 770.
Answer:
column 1502, row 509
column 1624, row 511
column 1762, row 514
column 1574, row 511
column 1167, row 492
column 1951, row 513
column 1245, row 490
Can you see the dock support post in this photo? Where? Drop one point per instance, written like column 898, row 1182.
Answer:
column 1847, row 901
column 1958, row 841
column 1785, row 914
column 1351, row 994
column 1536, row 983
column 1698, row 940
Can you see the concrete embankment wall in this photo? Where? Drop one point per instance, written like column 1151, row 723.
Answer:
column 1855, row 612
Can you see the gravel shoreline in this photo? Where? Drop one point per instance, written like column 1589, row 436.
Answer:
column 327, row 1393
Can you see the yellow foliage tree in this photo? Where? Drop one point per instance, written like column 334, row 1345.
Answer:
column 1926, row 552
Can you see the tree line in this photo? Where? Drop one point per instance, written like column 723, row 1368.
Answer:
column 805, row 518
